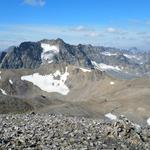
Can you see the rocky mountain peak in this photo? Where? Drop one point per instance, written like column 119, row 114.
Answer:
column 26, row 55
column 58, row 42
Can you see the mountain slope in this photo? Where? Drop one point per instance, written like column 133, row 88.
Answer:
column 76, row 91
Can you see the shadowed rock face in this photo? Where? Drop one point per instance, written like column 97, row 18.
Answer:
column 27, row 55
column 2, row 55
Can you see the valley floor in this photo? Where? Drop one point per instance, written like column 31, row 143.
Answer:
column 45, row 131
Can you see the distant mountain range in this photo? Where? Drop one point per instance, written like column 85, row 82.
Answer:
column 33, row 54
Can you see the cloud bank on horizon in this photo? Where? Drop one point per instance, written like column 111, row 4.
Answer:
column 112, row 23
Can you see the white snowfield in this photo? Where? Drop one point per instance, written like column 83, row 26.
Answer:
column 112, row 83
column 51, row 61
column 10, row 81
column 111, row 116
column 3, row 92
column 108, row 54
column 126, row 55
column 49, row 83
column 132, row 57
column 49, row 51
column 148, row 121
column 104, row 67
column 85, row 70
column 48, row 47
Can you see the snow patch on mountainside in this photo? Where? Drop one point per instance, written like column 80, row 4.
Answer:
column 48, row 47
column 85, row 70
column 10, row 81
column 48, row 52
column 50, row 61
column 49, row 83
column 132, row 57
column 104, row 67
column 3, row 92
column 108, row 54
column 148, row 121
column 111, row 116
column 112, row 83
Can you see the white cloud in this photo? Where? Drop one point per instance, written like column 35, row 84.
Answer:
column 93, row 34
column 112, row 37
column 116, row 31
column 111, row 30
column 80, row 28
column 86, row 31
column 35, row 2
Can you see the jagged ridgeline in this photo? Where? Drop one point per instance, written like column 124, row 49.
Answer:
column 33, row 54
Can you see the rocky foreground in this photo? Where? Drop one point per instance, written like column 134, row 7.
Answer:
column 44, row 131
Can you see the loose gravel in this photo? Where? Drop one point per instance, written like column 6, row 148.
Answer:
column 57, row 132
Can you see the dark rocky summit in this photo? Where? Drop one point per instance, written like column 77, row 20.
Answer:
column 27, row 55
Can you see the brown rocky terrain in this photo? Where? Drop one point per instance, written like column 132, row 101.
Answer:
column 91, row 94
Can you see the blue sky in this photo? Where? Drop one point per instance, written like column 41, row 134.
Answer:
column 118, row 23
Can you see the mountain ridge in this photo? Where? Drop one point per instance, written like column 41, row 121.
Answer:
column 32, row 55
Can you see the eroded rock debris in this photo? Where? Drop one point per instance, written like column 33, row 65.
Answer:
column 44, row 131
